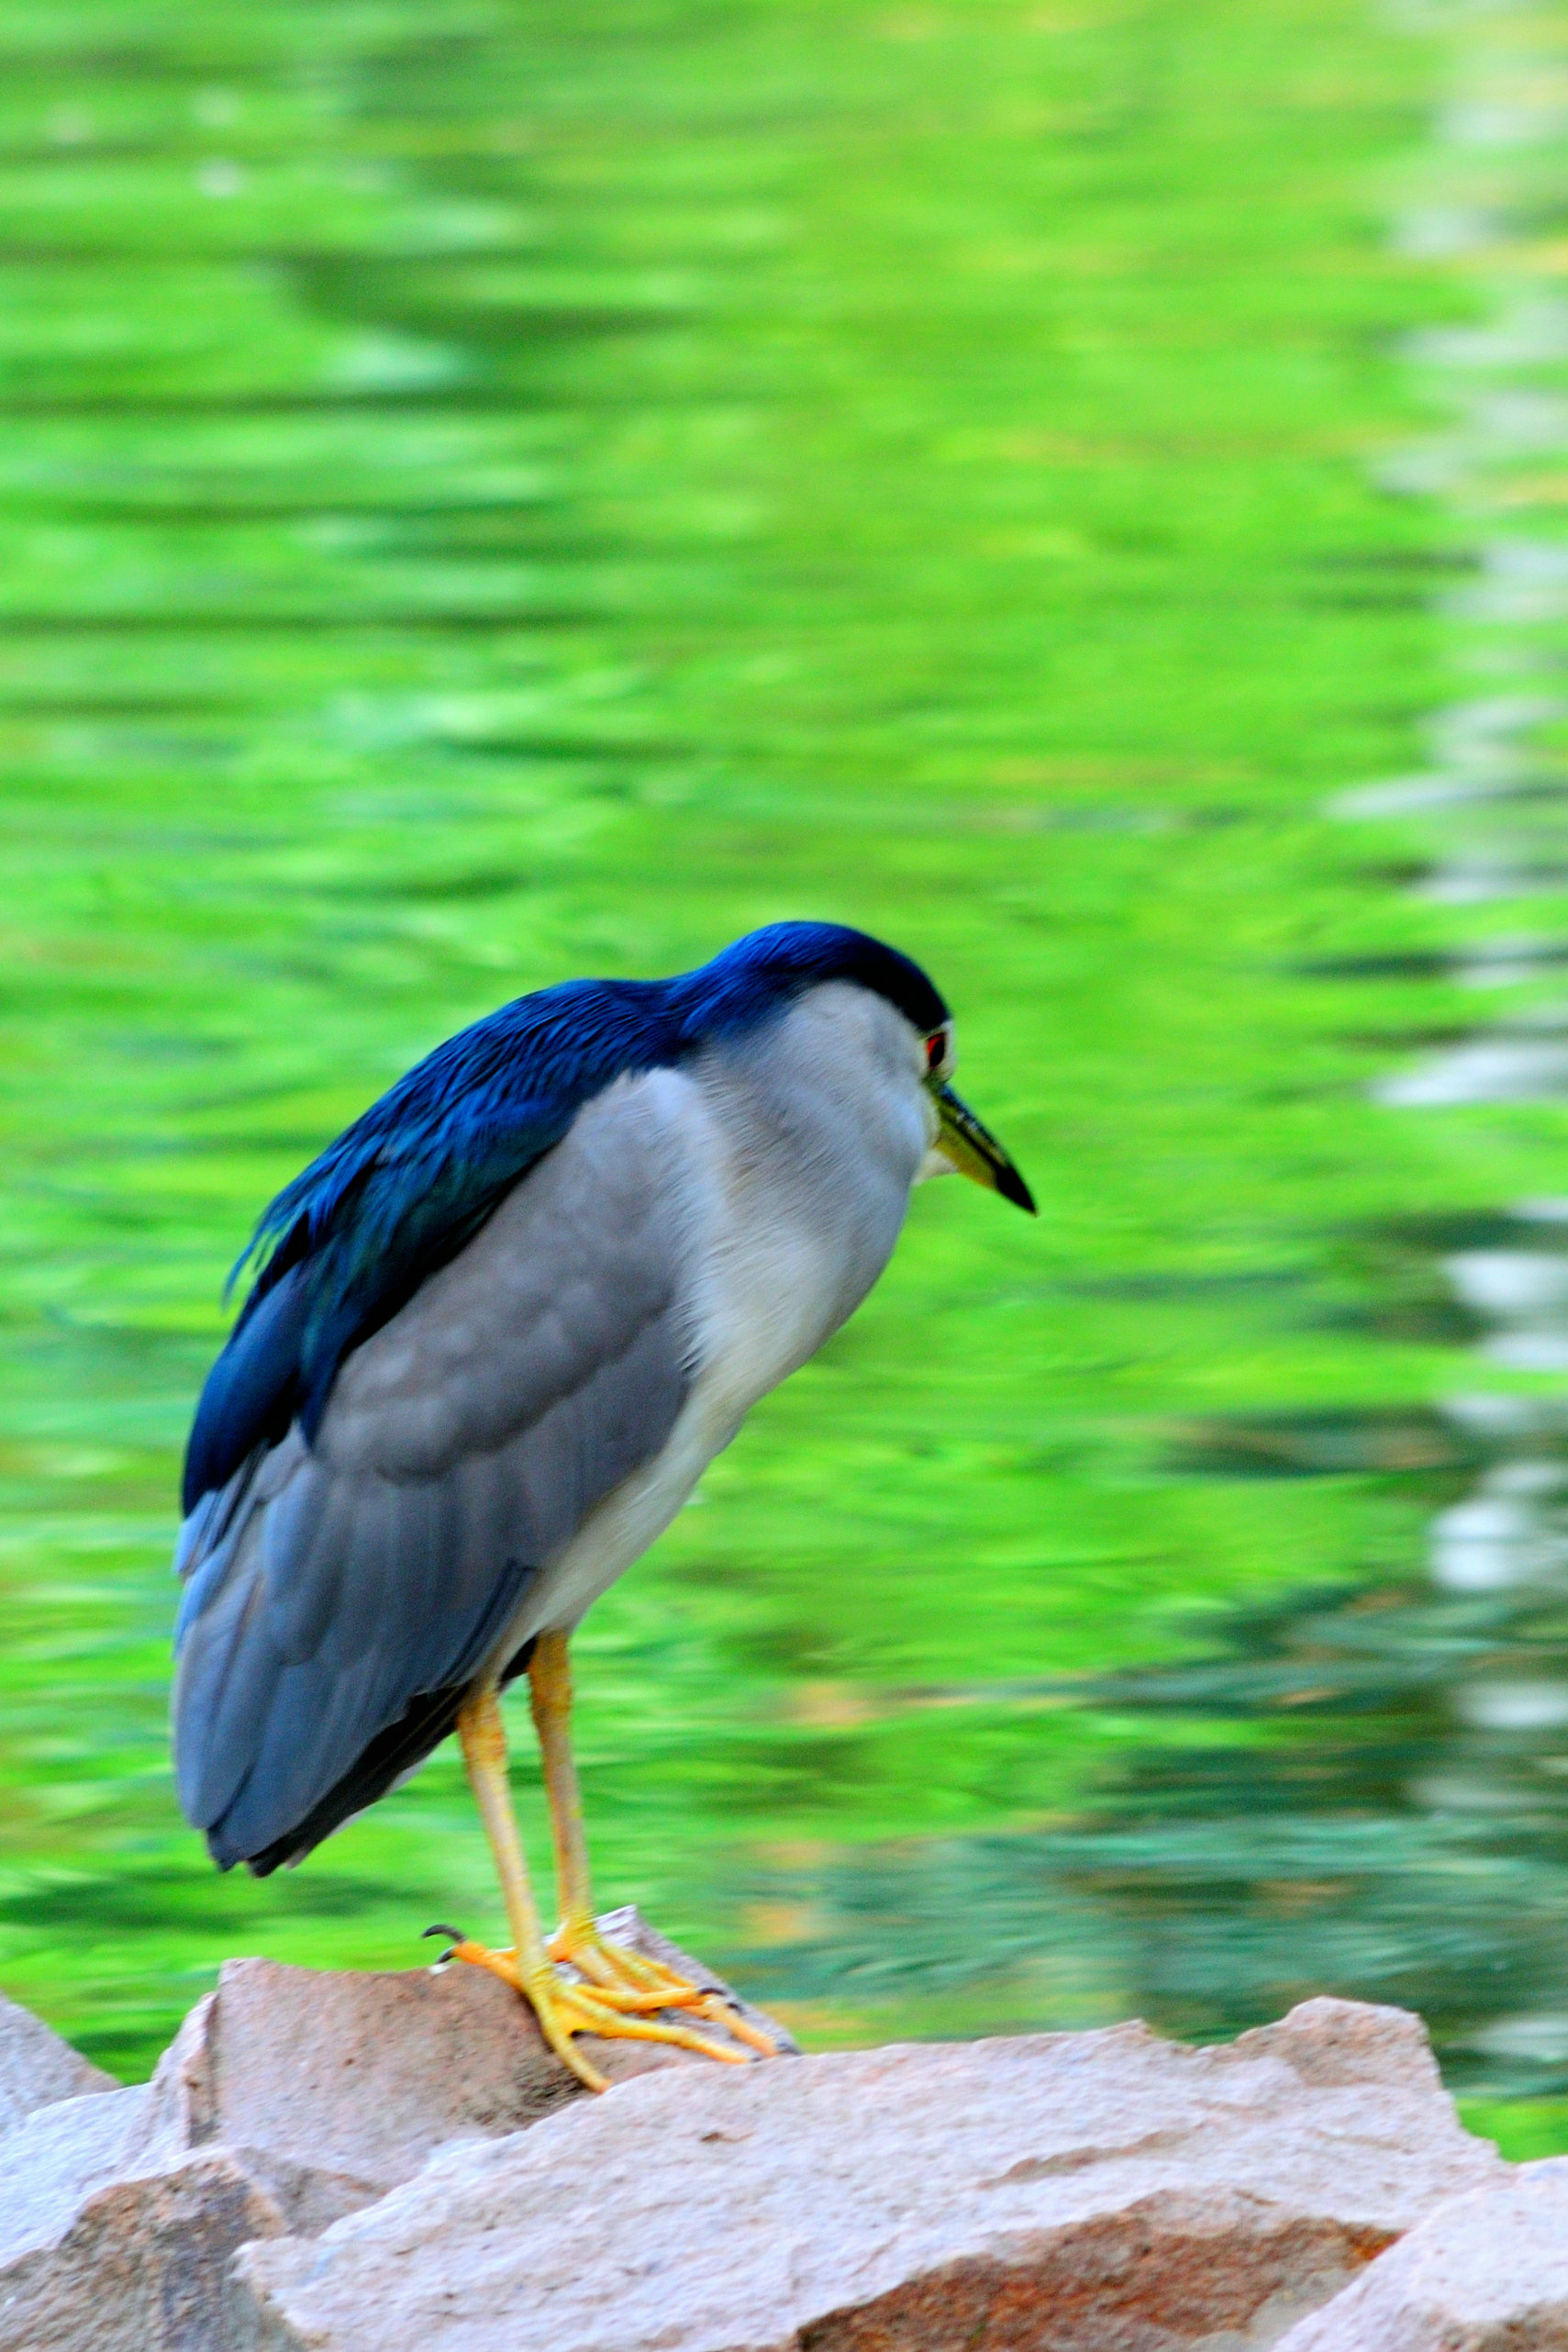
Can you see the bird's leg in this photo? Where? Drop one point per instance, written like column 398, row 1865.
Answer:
column 563, row 2008
column 628, row 1978
column 550, row 1692
column 577, row 1939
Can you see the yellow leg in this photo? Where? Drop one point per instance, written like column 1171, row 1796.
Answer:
column 632, row 1976
column 550, row 1692
column 563, row 2008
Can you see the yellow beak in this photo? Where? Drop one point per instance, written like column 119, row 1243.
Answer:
column 975, row 1151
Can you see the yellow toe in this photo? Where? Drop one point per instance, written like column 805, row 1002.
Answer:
column 613, row 2012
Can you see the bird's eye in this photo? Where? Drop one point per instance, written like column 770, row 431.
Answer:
column 938, row 1051
column 934, row 1052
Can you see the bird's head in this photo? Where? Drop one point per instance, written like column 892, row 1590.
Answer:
column 772, row 967
column 964, row 1145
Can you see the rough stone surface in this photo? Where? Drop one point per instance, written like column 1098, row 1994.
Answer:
column 333, row 2086
column 115, row 2234
column 37, row 2067
column 288, row 2099
column 60, row 2155
column 1090, row 2192
column 1487, row 2273
column 139, row 2265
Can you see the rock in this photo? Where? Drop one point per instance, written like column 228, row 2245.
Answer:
column 1083, row 2191
column 114, row 2234
column 37, row 2067
column 133, row 2264
column 333, row 2086
column 57, row 2158
column 1487, row 2273
column 289, row 2098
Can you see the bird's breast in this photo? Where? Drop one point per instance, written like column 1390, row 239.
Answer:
column 815, row 1136
column 787, row 1171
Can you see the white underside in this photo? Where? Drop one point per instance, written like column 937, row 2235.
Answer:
column 769, row 1285
column 763, row 1306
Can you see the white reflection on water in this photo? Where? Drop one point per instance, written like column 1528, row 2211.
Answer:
column 1544, row 2038
column 1494, row 804
column 1497, row 1069
column 1514, row 1706
column 1512, row 1529
column 1520, row 579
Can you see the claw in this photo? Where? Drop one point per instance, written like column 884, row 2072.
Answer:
column 629, row 1981
column 727, row 2014
column 565, row 2008
column 455, row 1934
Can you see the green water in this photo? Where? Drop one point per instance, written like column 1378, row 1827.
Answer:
column 492, row 491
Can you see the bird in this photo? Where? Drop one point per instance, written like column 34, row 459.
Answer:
column 495, row 1334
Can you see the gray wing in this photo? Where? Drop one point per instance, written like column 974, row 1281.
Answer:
column 333, row 1589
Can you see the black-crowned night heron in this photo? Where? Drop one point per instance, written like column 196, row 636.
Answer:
column 500, row 1328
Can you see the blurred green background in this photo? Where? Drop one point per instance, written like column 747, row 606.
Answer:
column 491, row 491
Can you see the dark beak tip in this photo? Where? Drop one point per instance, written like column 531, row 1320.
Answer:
column 1013, row 1187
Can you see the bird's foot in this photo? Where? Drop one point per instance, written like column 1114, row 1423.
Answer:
column 613, row 1970
column 567, row 2006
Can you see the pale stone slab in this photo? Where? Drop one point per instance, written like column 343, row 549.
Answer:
column 1487, row 2273
column 37, row 2067
column 115, row 2234
column 141, row 2264
column 58, row 2157
column 335, row 2086
column 1091, row 2192
column 289, row 2098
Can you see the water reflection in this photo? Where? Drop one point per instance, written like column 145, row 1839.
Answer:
column 1368, row 1789
column 1406, row 1836
column 1364, row 1787
column 481, row 501
column 1508, row 1065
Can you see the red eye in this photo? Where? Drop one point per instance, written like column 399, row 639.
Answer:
column 935, row 1047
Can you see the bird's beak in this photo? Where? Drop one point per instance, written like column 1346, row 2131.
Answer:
column 974, row 1150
